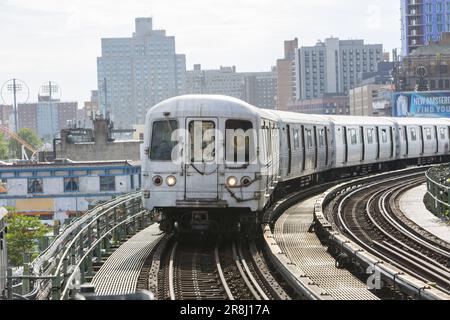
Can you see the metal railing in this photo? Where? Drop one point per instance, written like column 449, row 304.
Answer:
column 70, row 258
column 437, row 198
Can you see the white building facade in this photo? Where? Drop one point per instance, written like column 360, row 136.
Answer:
column 334, row 66
column 60, row 191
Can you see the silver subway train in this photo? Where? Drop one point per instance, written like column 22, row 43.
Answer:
column 214, row 163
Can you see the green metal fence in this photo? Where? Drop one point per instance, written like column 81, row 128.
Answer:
column 437, row 198
column 70, row 258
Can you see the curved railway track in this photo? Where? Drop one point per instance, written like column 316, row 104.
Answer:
column 219, row 271
column 370, row 216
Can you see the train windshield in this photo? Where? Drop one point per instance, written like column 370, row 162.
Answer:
column 162, row 144
column 239, row 141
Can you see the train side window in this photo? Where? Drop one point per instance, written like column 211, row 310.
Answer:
column 370, row 136
column 384, row 138
column 442, row 130
column 353, row 137
column 413, row 134
column 162, row 144
column 428, row 133
column 296, row 139
column 309, row 138
column 321, row 138
column 239, row 147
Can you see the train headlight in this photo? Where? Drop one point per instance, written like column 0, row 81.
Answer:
column 232, row 182
column 158, row 181
column 246, row 182
column 171, row 181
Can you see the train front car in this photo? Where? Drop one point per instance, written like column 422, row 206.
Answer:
column 200, row 167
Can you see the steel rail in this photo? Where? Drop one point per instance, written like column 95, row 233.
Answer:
column 172, row 273
column 254, row 282
column 383, row 209
column 221, row 274
column 238, row 262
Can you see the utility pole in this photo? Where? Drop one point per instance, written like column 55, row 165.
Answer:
column 16, row 126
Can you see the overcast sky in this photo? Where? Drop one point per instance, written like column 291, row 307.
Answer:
column 59, row 40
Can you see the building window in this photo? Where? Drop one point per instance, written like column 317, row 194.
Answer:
column 71, row 184
column 4, row 186
column 107, row 184
column 35, row 186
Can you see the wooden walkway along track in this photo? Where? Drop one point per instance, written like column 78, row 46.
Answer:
column 119, row 275
column 305, row 250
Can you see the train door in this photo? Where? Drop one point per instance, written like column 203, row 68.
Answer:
column 436, row 135
column 422, row 140
column 363, row 142
column 405, row 132
column 303, row 149
column 288, row 131
column 345, row 144
column 326, row 146
column 392, row 142
column 202, row 172
column 316, row 151
column 378, row 143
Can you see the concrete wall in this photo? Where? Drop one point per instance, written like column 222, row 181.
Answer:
column 101, row 152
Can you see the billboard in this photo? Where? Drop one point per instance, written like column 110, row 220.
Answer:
column 427, row 104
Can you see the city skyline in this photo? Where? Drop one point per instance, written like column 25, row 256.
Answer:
column 63, row 40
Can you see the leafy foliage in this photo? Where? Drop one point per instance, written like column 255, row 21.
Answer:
column 23, row 234
column 29, row 136
column 4, row 152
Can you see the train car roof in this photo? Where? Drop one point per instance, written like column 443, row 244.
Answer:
column 207, row 106
column 422, row 121
column 286, row 116
column 358, row 120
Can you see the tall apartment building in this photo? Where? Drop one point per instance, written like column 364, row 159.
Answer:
column 334, row 66
column 27, row 116
column 225, row 81
column 256, row 88
column 260, row 89
column 286, row 75
column 423, row 21
column 51, row 117
column 136, row 73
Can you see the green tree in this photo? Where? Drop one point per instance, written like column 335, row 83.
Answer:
column 4, row 152
column 23, row 235
column 15, row 148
